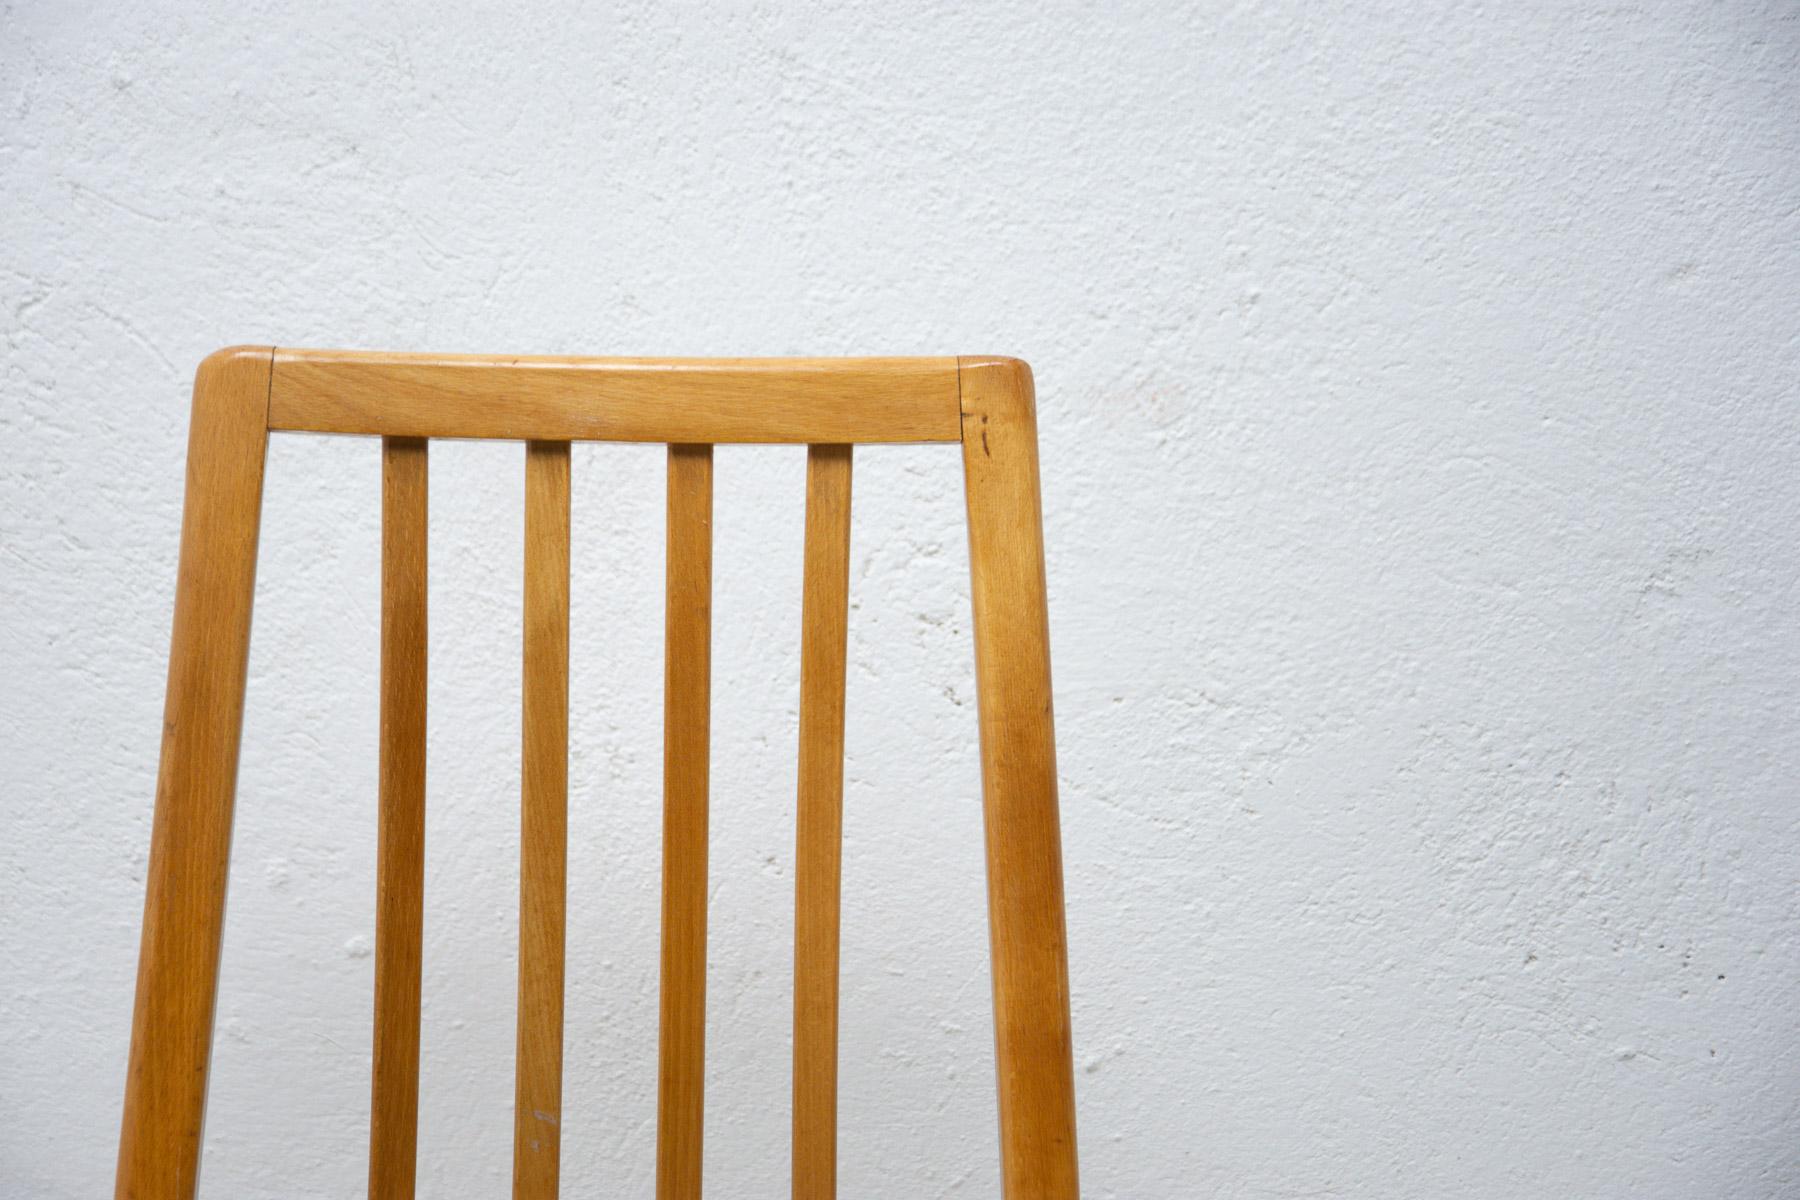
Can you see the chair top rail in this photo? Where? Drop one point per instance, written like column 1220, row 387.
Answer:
column 793, row 400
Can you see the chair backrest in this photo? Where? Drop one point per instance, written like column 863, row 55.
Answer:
column 244, row 393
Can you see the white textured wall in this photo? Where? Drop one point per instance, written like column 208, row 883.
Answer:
column 1422, row 471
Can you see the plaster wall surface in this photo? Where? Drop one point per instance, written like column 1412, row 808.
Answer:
column 1422, row 492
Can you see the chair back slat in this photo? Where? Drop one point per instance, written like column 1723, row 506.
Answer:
column 687, row 719
column 819, row 819
column 544, row 825
column 400, row 848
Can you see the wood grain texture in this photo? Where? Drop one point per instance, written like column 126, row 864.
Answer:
column 1018, row 773
column 400, row 848
column 687, row 720
column 544, row 836
column 617, row 399
column 190, row 839
column 819, row 820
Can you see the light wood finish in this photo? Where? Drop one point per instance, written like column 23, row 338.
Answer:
column 819, row 820
column 400, row 853
column 617, row 399
column 240, row 394
column 687, row 722
column 190, row 837
column 1018, row 775
column 544, row 832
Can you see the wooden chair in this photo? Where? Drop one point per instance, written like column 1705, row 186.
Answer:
column 244, row 393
